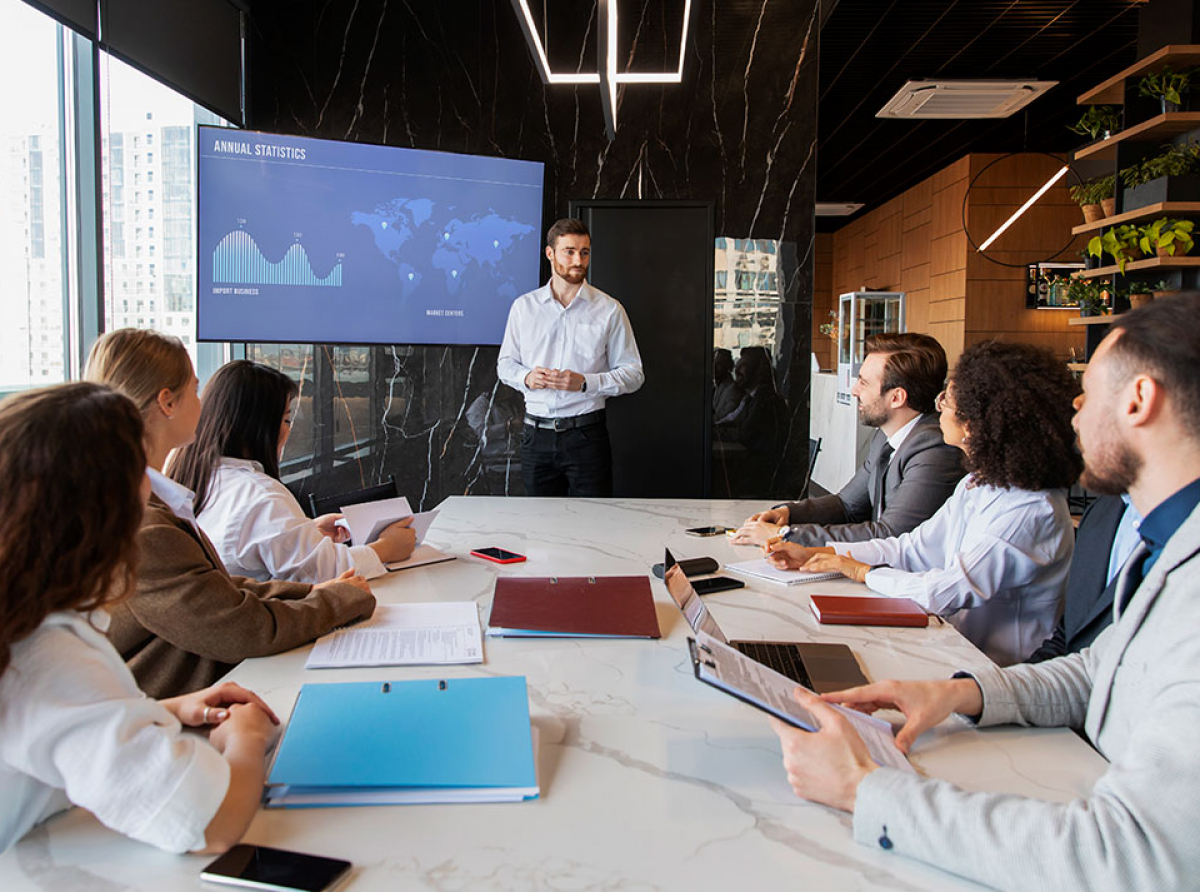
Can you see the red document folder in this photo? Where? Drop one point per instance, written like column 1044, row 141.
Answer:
column 849, row 610
column 573, row 606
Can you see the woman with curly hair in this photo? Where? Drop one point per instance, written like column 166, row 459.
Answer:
column 994, row 559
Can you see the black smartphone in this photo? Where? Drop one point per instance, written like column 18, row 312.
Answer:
column 716, row 584
column 260, row 867
column 706, row 531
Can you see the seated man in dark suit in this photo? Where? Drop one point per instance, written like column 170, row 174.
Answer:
column 1107, row 536
column 909, row 471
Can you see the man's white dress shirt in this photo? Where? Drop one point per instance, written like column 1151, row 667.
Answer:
column 75, row 729
column 591, row 336
column 260, row 530
column 993, row 561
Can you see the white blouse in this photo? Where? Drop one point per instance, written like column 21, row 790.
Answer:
column 993, row 561
column 75, row 729
column 260, row 530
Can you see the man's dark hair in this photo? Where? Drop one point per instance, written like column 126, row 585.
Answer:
column 1162, row 339
column 565, row 226
column 1016, row 402
column 915, row 362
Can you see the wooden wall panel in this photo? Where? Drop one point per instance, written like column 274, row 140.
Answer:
column 823, row 300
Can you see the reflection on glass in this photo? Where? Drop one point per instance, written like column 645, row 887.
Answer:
column 32, row 252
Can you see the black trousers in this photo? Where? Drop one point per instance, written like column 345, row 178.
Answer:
column 575, row 462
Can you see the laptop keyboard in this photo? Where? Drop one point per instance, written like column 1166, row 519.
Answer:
column 783, row 658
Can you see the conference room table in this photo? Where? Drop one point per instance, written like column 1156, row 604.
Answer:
column 650, row 780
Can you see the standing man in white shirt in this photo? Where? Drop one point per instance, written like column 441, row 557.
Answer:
column 567, row 348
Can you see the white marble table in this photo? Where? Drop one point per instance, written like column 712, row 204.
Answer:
column 650, row 780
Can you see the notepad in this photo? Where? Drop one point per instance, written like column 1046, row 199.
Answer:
column 434, row 633
column 761, row 569
column 853, row 610
column 367, row 520
column 406, row 742
column 721, row 666
column 422, row 556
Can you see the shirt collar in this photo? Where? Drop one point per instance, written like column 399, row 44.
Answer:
column 229, row 462
column 897, row 439
column 545, row 294
column 1157, row 528
column 178, row 498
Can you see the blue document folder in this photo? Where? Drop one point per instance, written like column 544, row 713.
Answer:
column 406, row 742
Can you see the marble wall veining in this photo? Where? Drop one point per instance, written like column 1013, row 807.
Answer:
column 739, row 131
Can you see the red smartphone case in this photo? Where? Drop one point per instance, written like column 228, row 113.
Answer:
column 495, row 560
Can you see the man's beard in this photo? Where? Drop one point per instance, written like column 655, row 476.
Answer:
column 1112, row 470
column 572, row 274
column 872, row 417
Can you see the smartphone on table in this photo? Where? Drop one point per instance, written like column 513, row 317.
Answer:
column 261, row 867
column 498, row 555
column 706, row 531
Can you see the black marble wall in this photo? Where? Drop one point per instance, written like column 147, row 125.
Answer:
column 456, row 75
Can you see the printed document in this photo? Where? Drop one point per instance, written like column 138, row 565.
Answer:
column 427, row 634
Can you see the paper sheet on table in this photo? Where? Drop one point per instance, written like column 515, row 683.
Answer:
column 760, row 569
column 422, row 522
column 368, row 519
column 728, row 669
column 427, row 634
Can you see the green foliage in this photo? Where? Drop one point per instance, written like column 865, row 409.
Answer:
column 1121, row 242
column 1169, row 235
column 1096, row 120
column 1173, row 161
column 1140, row 288
column 831, row 327
column 1088, row 296
column 1163, row 285
column 1166, row 84
column 1094, row 191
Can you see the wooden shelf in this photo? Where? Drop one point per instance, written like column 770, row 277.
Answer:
column 1077, row 366
column 1159, row 128
column 1142, row 213
column 1135, row 265
column 1112, row 91
column 1091, row 320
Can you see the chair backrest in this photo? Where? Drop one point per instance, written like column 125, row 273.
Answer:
column 333, row 504
column 814, row 447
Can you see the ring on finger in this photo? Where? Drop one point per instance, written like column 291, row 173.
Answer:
column 206, row 709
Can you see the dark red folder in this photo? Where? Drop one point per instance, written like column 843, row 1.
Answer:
column 851, row 610
column 619, row 606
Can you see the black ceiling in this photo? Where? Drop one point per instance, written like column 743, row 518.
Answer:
column 869, row 48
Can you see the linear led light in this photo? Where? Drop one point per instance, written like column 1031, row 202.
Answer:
column 608, row 84
column 1023, row 208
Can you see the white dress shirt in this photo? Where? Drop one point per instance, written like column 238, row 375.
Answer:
column 993, row 561
column 175, row 496
column 897, row 439
column 260, row 530
column 591, row 336
column 75, row 729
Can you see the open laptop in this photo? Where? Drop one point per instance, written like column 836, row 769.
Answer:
column 819, row 667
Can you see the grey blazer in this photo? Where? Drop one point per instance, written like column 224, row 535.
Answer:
column 919, row 478
column 1136, row 694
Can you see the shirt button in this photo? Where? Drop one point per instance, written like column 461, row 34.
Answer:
column 884, row 842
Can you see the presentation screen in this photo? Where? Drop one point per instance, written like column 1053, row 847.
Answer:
column 312, row 240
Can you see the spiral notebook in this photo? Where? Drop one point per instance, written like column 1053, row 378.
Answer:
column 760, row 569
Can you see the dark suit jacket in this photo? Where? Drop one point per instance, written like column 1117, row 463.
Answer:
column 1089, row 597
column 190, row 622
column 919, row 479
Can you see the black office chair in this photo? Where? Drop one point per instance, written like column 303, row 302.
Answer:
column 814, row 447
column 334, row 504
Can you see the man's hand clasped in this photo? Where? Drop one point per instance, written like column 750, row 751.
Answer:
column 554, row 379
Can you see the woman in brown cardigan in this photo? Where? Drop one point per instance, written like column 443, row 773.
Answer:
column 190, row 622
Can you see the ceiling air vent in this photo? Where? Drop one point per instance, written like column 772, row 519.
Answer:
column 962, row 99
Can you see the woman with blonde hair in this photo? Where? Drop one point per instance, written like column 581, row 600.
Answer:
column 74, row 728
column 190, row 622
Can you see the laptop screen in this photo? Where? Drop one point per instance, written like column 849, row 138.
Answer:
column 686, row 599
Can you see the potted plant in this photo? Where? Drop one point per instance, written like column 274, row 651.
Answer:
column 1162, row 288
column 1098, row 122
column 1121, row 242
column 1088, row 296
column 830, row 329
column 1167, row 86
column 1095, row 198
column 1140, row 294
column 1167, row 237
column 1171, row 175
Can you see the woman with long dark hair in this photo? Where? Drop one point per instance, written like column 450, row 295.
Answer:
column 190, row 622
column 994, row 558
column 253, row 520
column 74, row 728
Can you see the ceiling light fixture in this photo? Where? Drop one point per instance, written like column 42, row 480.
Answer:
column 606, row 40
column 1023, row 208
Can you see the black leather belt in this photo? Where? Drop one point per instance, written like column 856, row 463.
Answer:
column 566, row 424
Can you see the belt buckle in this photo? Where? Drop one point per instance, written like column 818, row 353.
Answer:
column 560, row 425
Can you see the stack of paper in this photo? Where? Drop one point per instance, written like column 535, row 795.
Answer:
column 761, row 569
column 405, row 635
column 406, row 742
